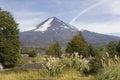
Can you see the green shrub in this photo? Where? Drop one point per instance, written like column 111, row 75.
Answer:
column 32, row 53
column 68, row 62
column 54, row 50
column 95, row 65
column 76, row 62
column 110, row 70
column 109, row 73
column 53, row 66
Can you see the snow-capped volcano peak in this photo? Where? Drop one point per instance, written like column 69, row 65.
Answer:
column 45, row 26
column 54, row 24
column 82, row 30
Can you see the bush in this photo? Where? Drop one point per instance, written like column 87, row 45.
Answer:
column 95, row 65
column 110, row 70
column 109, row 73
column 53, row 66
column 32, row 53
column 29, row 51
column 76, row 62
column 97, row 62
column 112, row 49
column 54, row 50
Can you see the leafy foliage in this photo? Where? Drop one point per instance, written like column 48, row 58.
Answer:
column 77, row 44
column 110, row 71
column 31, row 52
column 96, row 61
column 54, row 50
column 91, row 51
column 53, row 66
column 76, row 62
column 9, row 40
column 112, row 49
column 118, row 48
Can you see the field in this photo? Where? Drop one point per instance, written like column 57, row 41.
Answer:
column 22, row 73
column 40, row 75
column 61, row 69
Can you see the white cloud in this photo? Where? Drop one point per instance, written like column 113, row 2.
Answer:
column 104, row 27
column 114, row 7
column 87, row 9
column 100, row 7
column 27, row 20
column 28, row 24
column 111, row 7
column 27, row 14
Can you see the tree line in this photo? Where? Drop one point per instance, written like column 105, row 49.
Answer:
column 79, row 45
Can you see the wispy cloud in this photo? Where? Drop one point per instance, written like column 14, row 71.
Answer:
column 27, row 20
column 114, row 7
column 104, row 27
column 28, row 24
column 86, row 10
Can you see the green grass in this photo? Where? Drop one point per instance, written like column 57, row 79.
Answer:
column 21, row 75
column 17, row 74
column 37, row 59
column 109, row 73
column 73, row 75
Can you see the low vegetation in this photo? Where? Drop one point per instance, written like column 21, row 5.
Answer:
column 110, row 71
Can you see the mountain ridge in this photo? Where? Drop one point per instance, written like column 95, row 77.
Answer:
column 53, row 29
column 50, row 22
column 56, row 30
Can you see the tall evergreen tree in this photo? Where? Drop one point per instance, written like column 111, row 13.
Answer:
column 112, row 49
column 91, row 51
column 77, row 44
column 54, row 50
column 58, row 49
column 9, row 40
column 118, row 48
column 50, row 50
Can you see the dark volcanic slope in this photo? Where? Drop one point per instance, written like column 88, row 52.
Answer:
column 98, row 39
column 53, row 29
column 48, row 32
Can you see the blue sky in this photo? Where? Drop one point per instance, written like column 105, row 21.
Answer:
column 102, row 16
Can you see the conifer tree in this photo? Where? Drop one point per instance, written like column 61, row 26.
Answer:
column 112, row 49
column 91, row 51
column 118, row 48
column 77, row 44
column 50, row 50
column 9, row 40
column 58, row 49
column 54, row 50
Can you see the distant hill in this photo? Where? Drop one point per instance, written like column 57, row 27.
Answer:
column 53, row 29
column 98, row 39
column 115, row 34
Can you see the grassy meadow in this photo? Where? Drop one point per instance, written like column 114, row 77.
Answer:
column 66, row 68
